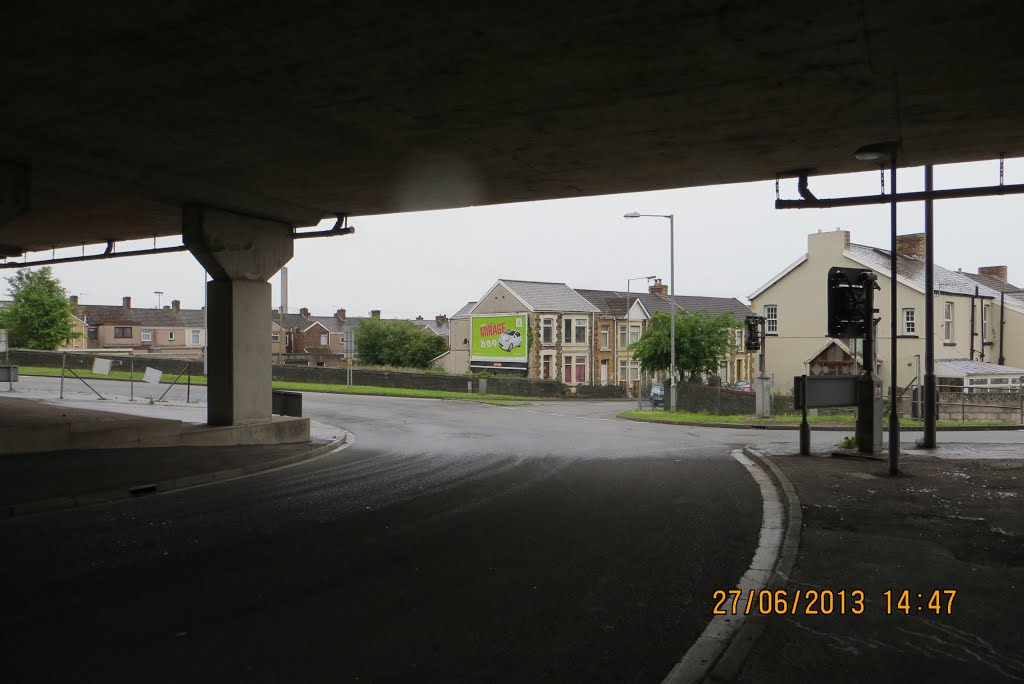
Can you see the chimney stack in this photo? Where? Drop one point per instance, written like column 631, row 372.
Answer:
column 340, row 314
column 126, row 302
column 375, row 313
column 994, row 271
column 304, row 312
column 176, row 306
column 441, row 319
column 911, row 245
column 419, row 318
column 74, row 299
column 658, row 288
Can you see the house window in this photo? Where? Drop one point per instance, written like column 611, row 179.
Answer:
column 909, row 322
column 737, row 338
column 122, row 333
column 195, row 337
column 947, row 322
column 581, row 331
column 567, row 330
column 324, row 339
column 567, row 375
column 771, row 319
column 985, row 333
column 605, row 336
column 622, row 336
column 634, row 334
column 275, row 337
column 170, row 336
column 92, row 334
column 629, row 371
column 146, row 335
column 547, row 330
column 581, row 369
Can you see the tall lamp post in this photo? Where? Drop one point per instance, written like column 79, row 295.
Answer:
column 672, row 292
column 881, row 152
column 629, row 331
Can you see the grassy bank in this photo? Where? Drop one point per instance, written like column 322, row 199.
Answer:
column 501, row 399
column 841, row 420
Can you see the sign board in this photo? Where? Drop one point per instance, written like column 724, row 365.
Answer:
column 825, row 391
column 152, row 376
column 499, row 341
column 101, row 366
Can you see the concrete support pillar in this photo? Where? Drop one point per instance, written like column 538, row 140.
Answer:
column 240, row 253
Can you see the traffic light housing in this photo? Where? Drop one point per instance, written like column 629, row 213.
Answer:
column 753, row 336
column 850, row 301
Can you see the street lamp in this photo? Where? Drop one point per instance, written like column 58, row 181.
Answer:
column 629, row 331
column 672, row 293
column 881, row 152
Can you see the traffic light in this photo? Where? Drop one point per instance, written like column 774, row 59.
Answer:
column 753, row 335
column 850, row 301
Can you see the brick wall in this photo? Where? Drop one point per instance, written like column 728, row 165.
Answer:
column 83, row 361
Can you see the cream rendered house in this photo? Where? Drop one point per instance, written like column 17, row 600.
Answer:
column 974, row 318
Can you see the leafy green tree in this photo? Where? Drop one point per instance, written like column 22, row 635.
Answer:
column 39, row 316
column 702, row 342
column 396, row 343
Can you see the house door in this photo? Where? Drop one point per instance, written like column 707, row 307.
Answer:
column 604, row 373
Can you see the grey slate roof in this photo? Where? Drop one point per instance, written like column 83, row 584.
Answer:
column 608, row 303
column 463, row 312
column 99, row 314
column 912, row 269
column 713, row 306
column 549, row 296
column 994, row 283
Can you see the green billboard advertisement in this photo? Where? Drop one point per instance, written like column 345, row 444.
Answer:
column 499, row 341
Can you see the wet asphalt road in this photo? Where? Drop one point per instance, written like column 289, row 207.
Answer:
column 451, row 542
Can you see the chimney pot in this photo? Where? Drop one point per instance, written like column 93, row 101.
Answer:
column 375, row 313
column 340, row 314
column 419, row 318
column 999, row 272
column 304, row 312
column 126, row 302
column 658, row 288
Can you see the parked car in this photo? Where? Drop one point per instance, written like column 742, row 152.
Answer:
column 742, row 386
column 658, row 395
column 510, row 339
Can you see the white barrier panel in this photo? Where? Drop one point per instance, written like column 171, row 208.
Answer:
column 152, row 376
column 101, row 366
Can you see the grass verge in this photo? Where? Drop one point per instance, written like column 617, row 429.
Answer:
column 841, row 420
column 500, row 399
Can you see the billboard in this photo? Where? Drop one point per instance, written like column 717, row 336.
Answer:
column 499, row 341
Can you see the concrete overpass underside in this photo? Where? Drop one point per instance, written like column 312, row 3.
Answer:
column 114, row 118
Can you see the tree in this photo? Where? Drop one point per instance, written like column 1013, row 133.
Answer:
column 702, row 342
column 39, row 316
column 396, row 343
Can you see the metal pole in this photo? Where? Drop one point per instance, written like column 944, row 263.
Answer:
column 629, row 381
column 805, row 427
column 188, row 385
column 672, row 298
column 930, row 404
column 894, row 418
column 63, row 356
column 131, row 374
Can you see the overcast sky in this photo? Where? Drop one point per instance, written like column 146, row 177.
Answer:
column 729, row 240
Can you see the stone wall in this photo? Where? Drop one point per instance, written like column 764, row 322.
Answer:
column 716, row 400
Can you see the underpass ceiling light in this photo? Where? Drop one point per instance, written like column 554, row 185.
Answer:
column 876, row 152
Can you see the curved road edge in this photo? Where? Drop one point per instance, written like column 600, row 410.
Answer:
column 719, row 652
column 180, row 483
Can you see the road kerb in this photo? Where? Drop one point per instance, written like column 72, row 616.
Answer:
column 137, row 491
column 719, row 652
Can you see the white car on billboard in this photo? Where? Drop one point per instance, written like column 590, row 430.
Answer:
column 510, row 339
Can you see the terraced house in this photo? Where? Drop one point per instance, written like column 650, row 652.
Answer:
column 168, row 330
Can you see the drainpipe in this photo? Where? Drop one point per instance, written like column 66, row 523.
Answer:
column 1002, row 324
column 973, row 300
